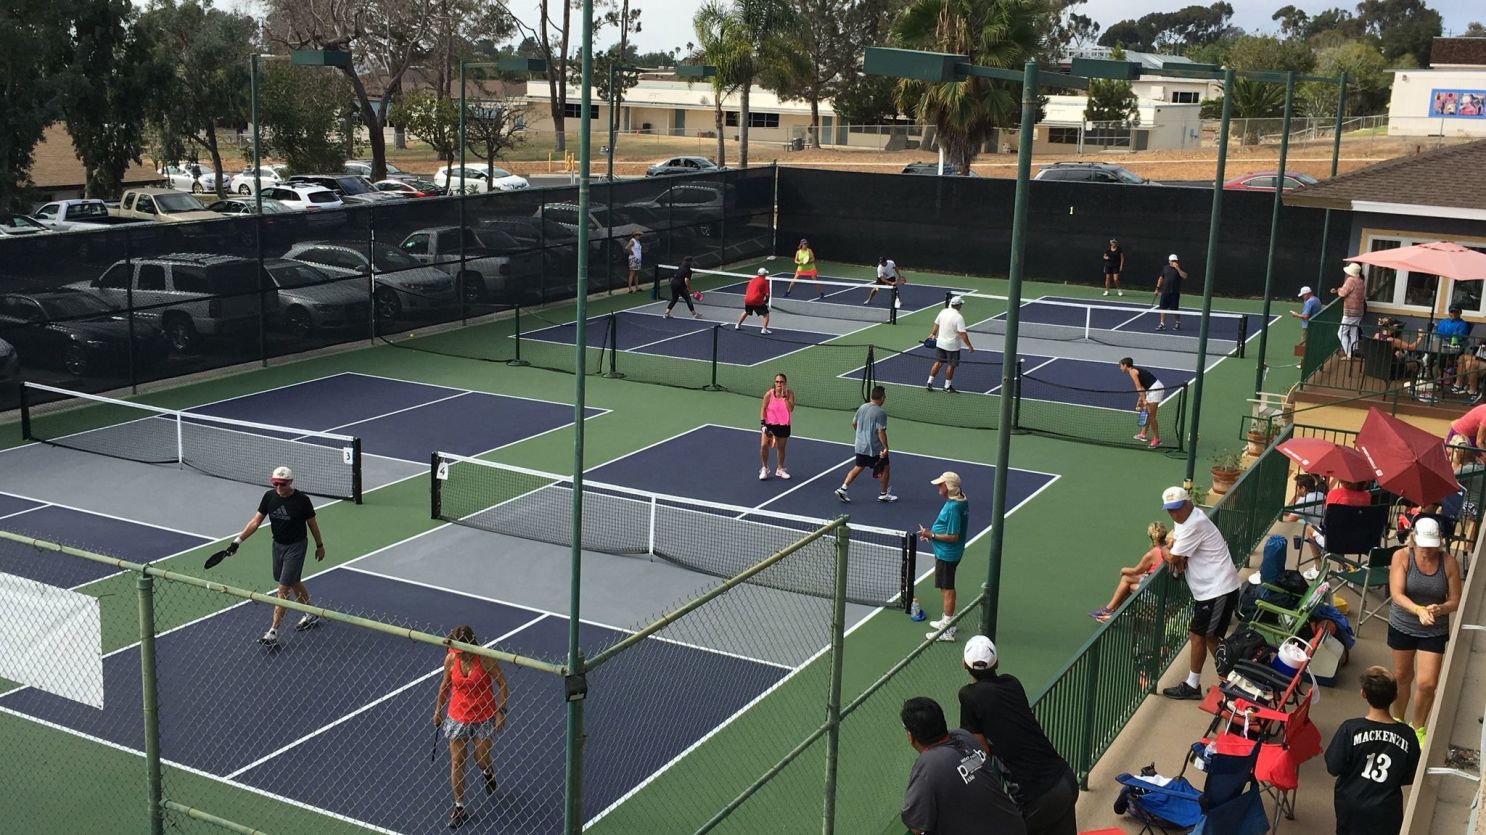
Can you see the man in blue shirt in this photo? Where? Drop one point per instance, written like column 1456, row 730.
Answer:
column 1451, row 335
column 948, row 540
column 1309, row 307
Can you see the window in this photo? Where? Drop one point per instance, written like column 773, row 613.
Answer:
column 1184, row 97
column 763, row 120
column 1062, row 136
column 1400, row 288
column 117, row 277
column 572, row 110
column 730, row 118
column 189, row 280
column 1260, row 182
column 151, row 277
column 48, row 212
column 145, row 204
column 416, row 244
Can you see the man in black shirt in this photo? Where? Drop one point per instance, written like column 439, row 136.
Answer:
column 1169, row 291
column 1372, row 758
column 994, row 708
column 1114, row 264
column 289, row 513
column 954, row 788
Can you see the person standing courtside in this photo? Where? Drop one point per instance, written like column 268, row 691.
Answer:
column 870, row 425
column 1200, row 553
column 947, row 537
column 636, row 261
column 756, row 300
column 289, row 512
column 1169, row 292
column 1114, row 264
column 949, row 335
column 681, row 288
column 1353, row 294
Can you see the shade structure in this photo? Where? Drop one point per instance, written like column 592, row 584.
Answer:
column 1406, row 460
column 1323, row 457
column 1441, row 258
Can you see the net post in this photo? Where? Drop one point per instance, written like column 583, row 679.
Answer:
column 838, row 651
column 905, row 571
column 1243, row 335
column 655, row 282
column 892, row 306
column 650, row 529
column 150, row 706
column 613, row 372
column 1016, row 396
column 25, row 411
column 1181, row 420
column 435, row 489
column 518, row 361
column 180, row 441
column 948, row 294
column 356, row 481
column 714, row 386
column 869, row 373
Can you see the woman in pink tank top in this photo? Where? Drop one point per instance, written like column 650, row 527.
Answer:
column 773, row 417
column 475, row 689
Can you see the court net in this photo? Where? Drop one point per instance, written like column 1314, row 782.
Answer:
column 828, row 298
column 324, row 464
column 1124, row 326
column 710, row 538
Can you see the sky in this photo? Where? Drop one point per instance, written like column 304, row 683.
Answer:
column 667, row 23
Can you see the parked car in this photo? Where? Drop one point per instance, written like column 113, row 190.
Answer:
column 74, row 331
column 1264, row 181
column 413, row 187
column 268, row 175
column 162, row 205
column 682, row 165
column 247, row 206
column 348, row 187
column 189, row 177
column 17, row 226
column 311, row 299
column 932, row 169
column 599, row 221
column 10, row 368
column 478, row 178
column 303, row 197
column 70, row 215
column 188, row 295
column 363, row 168
column 699, row 205
column 400, row 282
column 1090, row 172
column 486, row 270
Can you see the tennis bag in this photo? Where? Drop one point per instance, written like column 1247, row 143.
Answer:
column 1243, row 645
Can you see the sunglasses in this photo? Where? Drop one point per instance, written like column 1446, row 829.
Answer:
column 280, row 482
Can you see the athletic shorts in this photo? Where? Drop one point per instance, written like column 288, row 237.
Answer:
column 885, row 281
column 1155, row 394
column 1210, row 617
column 804, row 273
column 756, row 309
column 1111, row 270
column 288, row 561
column 1169, row 302
column 455, row 729
column 869, row 462
column 777, row 430
column 1405, row 642
column 944, row 574
column 951, row 357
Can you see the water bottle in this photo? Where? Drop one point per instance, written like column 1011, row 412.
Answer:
column 1141, row 416
column 916, row 612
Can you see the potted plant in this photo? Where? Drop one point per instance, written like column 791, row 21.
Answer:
column 1225, row 470
column 1260, row 433
column 1199, row 496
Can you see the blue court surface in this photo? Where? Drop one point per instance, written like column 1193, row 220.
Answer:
column 685, row 337
column 1224, row 328
column 82, row 529
column 912, row 297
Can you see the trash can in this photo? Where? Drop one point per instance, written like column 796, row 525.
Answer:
column 797, row 144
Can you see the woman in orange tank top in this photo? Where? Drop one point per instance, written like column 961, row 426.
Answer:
column 475, row 689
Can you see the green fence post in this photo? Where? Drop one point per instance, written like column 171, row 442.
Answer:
column 838, row 649
column 150, row 705
column 1091, row 688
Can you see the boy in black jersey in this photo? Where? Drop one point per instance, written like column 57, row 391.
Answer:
column 1372, row 758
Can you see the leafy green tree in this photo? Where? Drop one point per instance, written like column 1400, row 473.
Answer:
column 1368, row 80
column 306, row 116
column 1265, row 52
column 32, row 40
column 996, row 33
column 492, row 128
column 430, row 118
column 1112, row 101
column 1474, row 29
column 1166, row 31
column 866, row 100
column 1402, row 27
column 1252, row 100
column 823, row 54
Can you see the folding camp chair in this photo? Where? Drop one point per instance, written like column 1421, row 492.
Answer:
column 1278, row 768
column 1353, row 530
column 1360, row 577
column 1276, row 623
column 1175, row 806
column 1229, row 804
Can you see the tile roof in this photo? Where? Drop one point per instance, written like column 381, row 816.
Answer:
column 54, row 164
column 1438, row 177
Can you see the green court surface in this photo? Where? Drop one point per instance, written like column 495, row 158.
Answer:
column 1061, row 555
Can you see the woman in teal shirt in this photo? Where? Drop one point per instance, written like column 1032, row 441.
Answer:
column 947, row 537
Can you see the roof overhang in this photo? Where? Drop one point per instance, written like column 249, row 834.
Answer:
column 1452, row 212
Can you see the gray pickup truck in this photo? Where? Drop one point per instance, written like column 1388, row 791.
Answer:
column 489, row 268
column 69, row 215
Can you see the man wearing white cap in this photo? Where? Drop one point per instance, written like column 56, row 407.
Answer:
column 289, row 512
column 1309, row 307
column 947, row 538
column 994, row 708
column 1200, row 553
column 756, row 300
column 949, row 335
column 1353, row 294
column 1169, row 292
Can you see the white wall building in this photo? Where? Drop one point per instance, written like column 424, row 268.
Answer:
column 1448, row 99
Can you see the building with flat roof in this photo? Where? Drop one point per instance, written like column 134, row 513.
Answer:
column 1448, row 99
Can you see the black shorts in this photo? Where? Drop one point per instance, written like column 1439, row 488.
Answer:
column 756, row 309
column 288, row 561
column 1210, row 617
column 882, row 281
column 1404, row 642
column 944, row 574
column 1111, row 270
column 777, row 430
column 1169, row 302
column 951, row 357
column 869, row 462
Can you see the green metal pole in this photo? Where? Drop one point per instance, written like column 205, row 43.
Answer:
column 145, row 584
column 253, row 114
column 463, row 232
column 1209, row 271
column 577, row 689
column 613, row 126
column 1274, row 233
column 838, row 652
column 992, row 587
column 1336, row 152
column 257, row 217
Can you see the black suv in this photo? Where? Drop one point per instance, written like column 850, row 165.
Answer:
column 350, row 187
column 1090, row 172
column 932, row 168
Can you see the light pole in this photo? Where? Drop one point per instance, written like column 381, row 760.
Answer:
column 1336, row 150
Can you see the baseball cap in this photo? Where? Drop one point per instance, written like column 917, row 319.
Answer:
column 283, row 474
column 1455, row 308
column 1426, row 534
column 1175, row 497
column 980, row 653
column 1352, row 269
column 762, row 271
column 1304, row 291
column 957, row 301
column 950, row 480
column 1171, row 257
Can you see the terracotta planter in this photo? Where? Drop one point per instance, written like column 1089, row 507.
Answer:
column 1222, row 482
column 1257, row 442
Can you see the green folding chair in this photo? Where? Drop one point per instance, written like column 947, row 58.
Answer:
column 1361, row 576
column 1276, row 623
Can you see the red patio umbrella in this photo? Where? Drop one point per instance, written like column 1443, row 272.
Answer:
column 1441, row 258
column 1323, row 457
column 1406, row 460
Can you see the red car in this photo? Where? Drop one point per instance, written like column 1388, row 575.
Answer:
column 1264, row 181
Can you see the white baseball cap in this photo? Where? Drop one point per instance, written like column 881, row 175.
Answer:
column 762, row 271
column 1171, row 257
column 951, row 482
column 1427, row 533
column 957, row 301
column 980, row 653
column 281, row 474
column 1175, row 497
column 1304, row 291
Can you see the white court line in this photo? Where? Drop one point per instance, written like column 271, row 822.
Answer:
column 1046, row 362
column 444, row 399
column 819, row 475
column 203, row 537
column 368, row 706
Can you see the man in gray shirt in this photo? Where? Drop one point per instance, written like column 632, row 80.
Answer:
column 953, row 787
column 870, row 423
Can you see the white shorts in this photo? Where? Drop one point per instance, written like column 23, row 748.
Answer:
column 1155, row 394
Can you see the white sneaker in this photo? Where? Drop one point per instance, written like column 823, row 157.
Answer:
column 841, row 494
column 764, row 330
column 270, row 637
column 946, row 635
column 782, row 473
column 735, row 326
column 937, row 625
column 668, row 313
column 886, row 498
column 1106, row 292
column 308, row 622
column 696, row 315
column 763, row 473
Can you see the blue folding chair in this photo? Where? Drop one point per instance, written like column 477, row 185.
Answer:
column 1231, row 802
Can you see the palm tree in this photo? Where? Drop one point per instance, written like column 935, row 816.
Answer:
column 994, row 33
column 722, row 43
column 768, row 27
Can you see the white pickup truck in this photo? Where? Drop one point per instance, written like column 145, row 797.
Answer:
column 68, row 215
